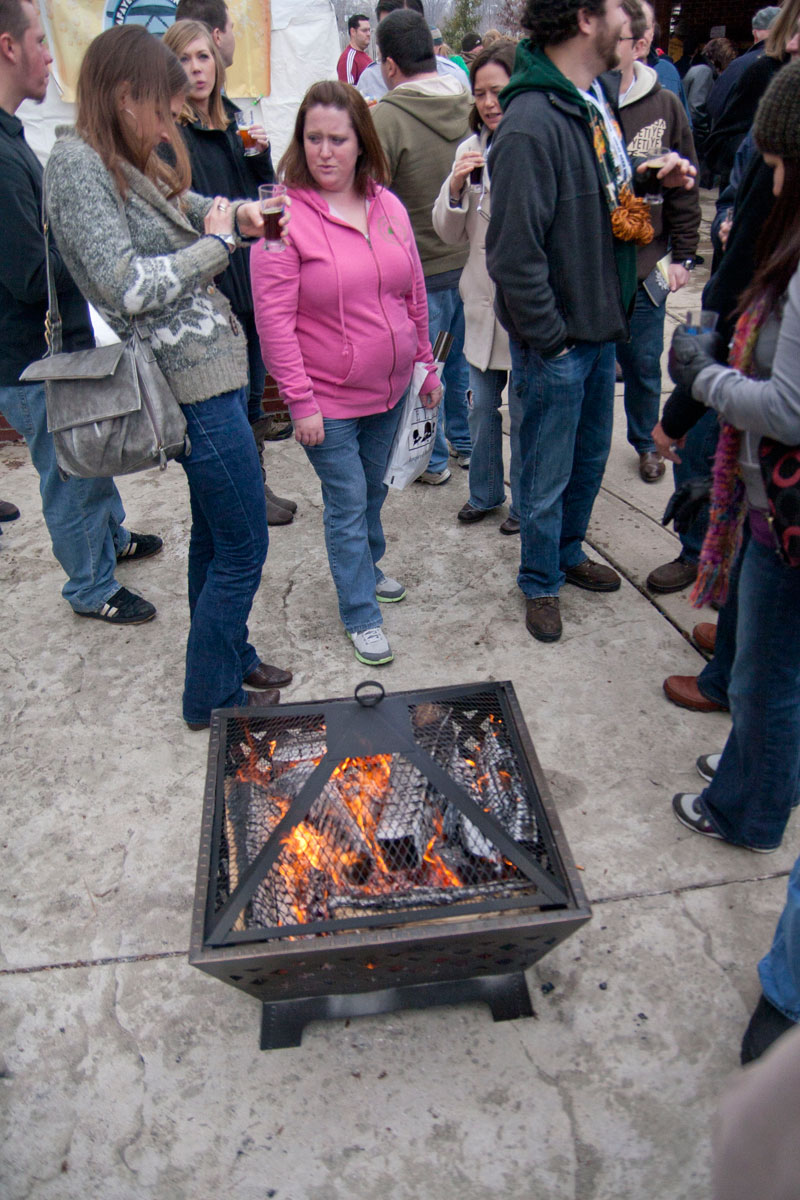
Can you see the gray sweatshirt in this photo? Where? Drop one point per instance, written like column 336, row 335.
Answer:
column 147, row 264
column 765, row 407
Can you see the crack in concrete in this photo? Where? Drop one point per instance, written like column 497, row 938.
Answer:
column 620, row 897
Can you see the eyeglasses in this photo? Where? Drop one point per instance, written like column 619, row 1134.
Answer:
column 628, row 39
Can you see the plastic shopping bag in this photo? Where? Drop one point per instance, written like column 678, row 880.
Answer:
column 413, row 441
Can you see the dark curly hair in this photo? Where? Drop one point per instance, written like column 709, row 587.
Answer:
column 550, row 22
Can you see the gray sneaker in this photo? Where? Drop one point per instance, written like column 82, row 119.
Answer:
column 707, row 766
column 436, row 478
column 371, row 647
column 389, row 590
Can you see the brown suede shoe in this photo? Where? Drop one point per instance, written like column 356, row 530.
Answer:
column 651, row 466
column 672, row 576
column 593, row 577
column 266, row 676
column 510, row 526
column 704, row 636
column 683, row 691
column 469, row 514
column 543, row 618
column 8, row 511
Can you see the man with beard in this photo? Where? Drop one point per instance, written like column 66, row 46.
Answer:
column 565, row 283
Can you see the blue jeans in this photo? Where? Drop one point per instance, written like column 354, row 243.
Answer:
column 640, row 359
column 227, row 549
column 486, row 478
column 350, row 464
column 446, row 311
column 255, row 367
column 565, row 436
column 715, row 677
column 697, row 459
column 756, row 783
column 780, row 969
column 83, row 516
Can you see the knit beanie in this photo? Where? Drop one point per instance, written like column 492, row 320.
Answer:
column 776, row 129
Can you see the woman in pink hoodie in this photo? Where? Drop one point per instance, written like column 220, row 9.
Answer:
column 342, row 317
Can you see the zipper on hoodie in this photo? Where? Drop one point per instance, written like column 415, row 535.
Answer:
column 386, row 319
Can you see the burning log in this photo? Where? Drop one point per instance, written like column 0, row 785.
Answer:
column 422, row 897
column 297, row 746
column 405, row 825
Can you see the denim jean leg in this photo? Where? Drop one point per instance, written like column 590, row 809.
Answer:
column 751, row 795
column 375, row 437
column 227, row 550
column 640, row 359
column 714, row 680
column 697, row 459
column 779, row 970
column 345, row 493
column 446, row 312
column 515, row 461
column 486, row 481
column 83, row 516
column 256, row 370
column 550, row 393
column 592, row 446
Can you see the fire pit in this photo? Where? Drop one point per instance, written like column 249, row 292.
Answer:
column 389, row 851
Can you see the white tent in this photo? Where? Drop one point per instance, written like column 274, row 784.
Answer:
column 305, row 47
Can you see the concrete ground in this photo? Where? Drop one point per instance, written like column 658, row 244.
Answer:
column 127, row 1074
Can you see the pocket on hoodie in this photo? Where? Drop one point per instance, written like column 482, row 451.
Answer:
column 348, row 365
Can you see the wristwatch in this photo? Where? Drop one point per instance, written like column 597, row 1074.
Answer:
column 228, row 239
column 687, row 264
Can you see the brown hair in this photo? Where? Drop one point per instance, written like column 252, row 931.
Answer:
column 778, row 247
column 129, row 56
column 178, row 37
column 371, row 162
column 637, row 18
column 782, row 29
column 502, row 51
column 719, row 53
column 14, row 19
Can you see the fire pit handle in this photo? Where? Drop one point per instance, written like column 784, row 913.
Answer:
column 369, row 699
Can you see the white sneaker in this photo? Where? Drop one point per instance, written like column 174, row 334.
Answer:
column 707, row 765
column 389, row 590
column 371, row 647
column 434, row 477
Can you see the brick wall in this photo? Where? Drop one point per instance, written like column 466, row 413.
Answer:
column 7, row 434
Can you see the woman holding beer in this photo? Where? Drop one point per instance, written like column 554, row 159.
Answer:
column 220, row 167
column 142, row 247
column 343, row 318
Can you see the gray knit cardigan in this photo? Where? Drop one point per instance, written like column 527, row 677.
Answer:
column 149, row 264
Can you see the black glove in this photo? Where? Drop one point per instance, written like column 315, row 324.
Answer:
column 686, row 503
column 690, row 353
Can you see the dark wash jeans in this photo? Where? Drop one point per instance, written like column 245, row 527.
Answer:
column 755, row 786
column 565, row 436
column 640, row 359
column 227, row 549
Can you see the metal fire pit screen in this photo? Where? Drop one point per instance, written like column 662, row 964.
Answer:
column 382, row 852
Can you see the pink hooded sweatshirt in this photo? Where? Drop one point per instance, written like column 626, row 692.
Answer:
column 342, row 318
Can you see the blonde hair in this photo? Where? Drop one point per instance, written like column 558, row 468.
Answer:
column 178, row 37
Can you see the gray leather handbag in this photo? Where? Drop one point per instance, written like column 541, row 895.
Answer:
column 110, row 410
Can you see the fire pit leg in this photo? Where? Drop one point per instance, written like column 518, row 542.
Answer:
column 283, row 1021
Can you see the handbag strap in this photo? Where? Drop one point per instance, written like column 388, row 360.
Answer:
column 53, row 326
column 52, row 318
